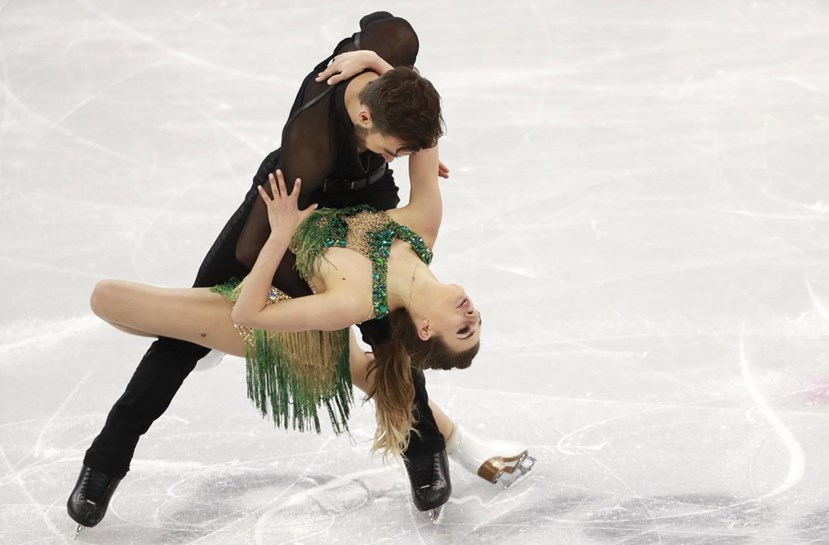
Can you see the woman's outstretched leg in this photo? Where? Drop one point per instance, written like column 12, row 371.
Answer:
column 196, row 315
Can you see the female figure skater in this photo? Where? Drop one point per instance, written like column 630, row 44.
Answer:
column 361, row 264
column 351, row 285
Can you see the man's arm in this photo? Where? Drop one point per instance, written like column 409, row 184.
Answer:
column 307, row 150
column 392, row 38
column 307, row 154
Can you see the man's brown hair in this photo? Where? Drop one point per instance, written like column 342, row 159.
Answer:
column 405, row 105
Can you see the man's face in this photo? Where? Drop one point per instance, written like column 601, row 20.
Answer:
column 387, row 147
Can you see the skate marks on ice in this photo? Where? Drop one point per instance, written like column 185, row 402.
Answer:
column 699, row 519
column 681, row 519
column 813, row 527
column 260, row 503
column 370, row 505
column 218, row 505
column 687, row 518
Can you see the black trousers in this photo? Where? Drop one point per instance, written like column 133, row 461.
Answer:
column 168, row 361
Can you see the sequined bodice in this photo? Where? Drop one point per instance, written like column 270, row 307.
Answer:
column 360, row 228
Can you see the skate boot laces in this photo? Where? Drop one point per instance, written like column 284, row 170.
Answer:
column 424, row 470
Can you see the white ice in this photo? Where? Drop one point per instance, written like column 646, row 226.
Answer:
column 639, row 205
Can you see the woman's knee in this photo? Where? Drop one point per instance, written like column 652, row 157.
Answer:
column 102, row 297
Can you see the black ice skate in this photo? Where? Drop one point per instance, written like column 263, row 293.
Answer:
column 429, row 477
column 89, row 500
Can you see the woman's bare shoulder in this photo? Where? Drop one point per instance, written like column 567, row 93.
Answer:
column 424, row 229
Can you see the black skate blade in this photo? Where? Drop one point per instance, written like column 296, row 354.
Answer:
column 436, row 514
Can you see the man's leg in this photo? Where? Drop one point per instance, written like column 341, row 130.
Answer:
column 148, row 394
column 425, row 457
column 154, row 383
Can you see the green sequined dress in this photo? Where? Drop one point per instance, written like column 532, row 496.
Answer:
column 290, row 375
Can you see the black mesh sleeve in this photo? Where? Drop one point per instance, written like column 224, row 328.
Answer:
column 308, row 148
column 392, row 38
column 307, row 153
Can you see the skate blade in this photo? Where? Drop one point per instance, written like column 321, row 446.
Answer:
column 436, row 514
column 77, row 532
column 513, row 474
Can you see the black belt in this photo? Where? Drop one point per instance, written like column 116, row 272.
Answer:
column 335, row 185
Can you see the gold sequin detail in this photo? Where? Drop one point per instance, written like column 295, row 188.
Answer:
column 274, row 296
column 360, row 225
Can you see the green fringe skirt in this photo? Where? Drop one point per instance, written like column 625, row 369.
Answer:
column 291, row 375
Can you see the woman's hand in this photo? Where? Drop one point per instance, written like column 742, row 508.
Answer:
column 347, row 65
column 443, row 170
column 284, row 214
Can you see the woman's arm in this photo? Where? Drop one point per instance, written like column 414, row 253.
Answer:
column 328, row 311
column 347, row 65
column 424, row 211
column 384, row 42
column 284, row 217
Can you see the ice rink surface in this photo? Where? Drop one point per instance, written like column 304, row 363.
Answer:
column 639, row 205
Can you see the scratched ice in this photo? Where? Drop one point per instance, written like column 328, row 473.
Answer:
column 638, row 204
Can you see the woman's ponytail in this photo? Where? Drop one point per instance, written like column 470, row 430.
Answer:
column 393, row 394
column 393, row 390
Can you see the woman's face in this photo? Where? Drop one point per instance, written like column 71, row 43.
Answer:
column 454, row 318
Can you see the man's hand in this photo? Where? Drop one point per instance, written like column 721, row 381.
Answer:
column 284, row 215
column 347, row 65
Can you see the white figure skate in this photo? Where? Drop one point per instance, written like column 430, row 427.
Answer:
column 209, row 361
column 498, row 462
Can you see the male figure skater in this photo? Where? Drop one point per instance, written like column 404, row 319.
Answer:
column 341, row 155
